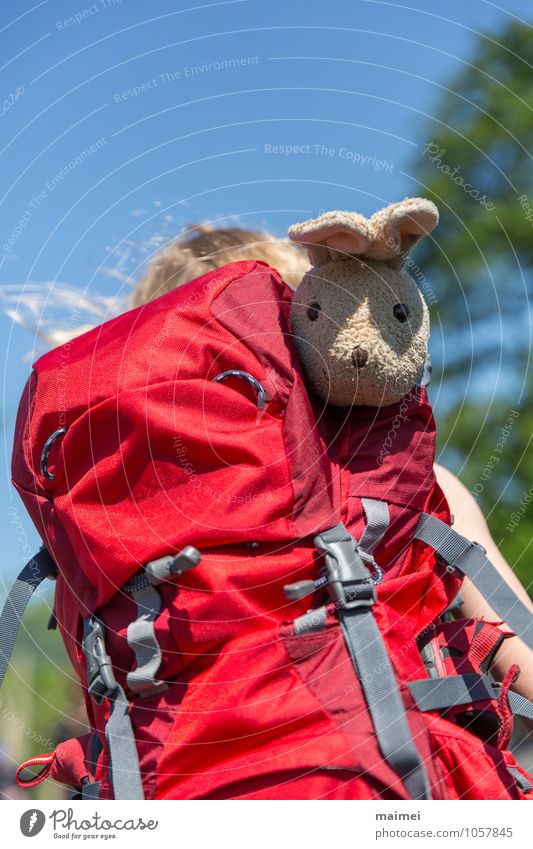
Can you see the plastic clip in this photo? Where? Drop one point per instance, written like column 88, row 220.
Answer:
column 101, row 681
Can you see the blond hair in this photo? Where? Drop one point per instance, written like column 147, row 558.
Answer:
column 204, row 248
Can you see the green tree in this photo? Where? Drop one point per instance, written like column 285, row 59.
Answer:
column 477, row 166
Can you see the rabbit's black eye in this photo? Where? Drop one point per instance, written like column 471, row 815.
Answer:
column 401, row 312
column 313, row 311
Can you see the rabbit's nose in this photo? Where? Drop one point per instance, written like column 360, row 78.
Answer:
column 359, row 356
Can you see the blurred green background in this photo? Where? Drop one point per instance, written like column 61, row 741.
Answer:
column 483, row 280
column 40, row 702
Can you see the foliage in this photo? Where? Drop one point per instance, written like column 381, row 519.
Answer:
column 477, row 168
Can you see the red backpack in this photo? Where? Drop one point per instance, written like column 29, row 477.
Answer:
column 254, row 589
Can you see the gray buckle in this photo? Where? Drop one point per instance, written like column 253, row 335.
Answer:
column 350, row 595
column 172, row 566
column 472, row 548
column 101, row 681
column 166, row 568
column 349, row 582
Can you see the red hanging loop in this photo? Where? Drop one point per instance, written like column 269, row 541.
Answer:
column 47, row 762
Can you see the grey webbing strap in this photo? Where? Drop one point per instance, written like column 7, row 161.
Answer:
column 102, row 684
column 456, row 690
column 451, row 691
column 41, row 566
column 384, row 701
column 377, row 523
column 470, row 559
column 123, row 756
column 352, row 590
column 520, row 706
column 143, row 642
column 311, row 622
column 524, row 783
column 91, row 790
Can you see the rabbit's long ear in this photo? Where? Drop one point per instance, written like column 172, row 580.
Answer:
column 398, row 227
column 333, row 236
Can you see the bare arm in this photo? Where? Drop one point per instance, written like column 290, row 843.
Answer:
column 470, row 522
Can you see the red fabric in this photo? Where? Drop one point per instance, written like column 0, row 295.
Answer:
column 157, row 456
column 308, row 784
column 156, row 453
column 473, row 770
column 462, row 647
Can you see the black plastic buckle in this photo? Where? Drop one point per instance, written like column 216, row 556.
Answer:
column 101, row 681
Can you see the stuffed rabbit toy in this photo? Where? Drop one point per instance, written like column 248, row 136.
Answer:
column 360, row 322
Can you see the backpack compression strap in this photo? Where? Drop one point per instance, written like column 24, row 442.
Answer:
column 352, row 589
column 102, row 684
column 40, row 566
column 470, row 559
column 456, row 690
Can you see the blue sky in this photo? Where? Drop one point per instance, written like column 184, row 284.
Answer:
column 124, row 121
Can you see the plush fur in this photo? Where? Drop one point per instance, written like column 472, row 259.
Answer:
column 360, row 323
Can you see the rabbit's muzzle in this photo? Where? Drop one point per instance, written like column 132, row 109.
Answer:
column 359, row 356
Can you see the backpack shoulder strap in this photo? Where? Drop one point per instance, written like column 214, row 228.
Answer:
column 352, row 589
column 470, row 559
column 40, row 566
